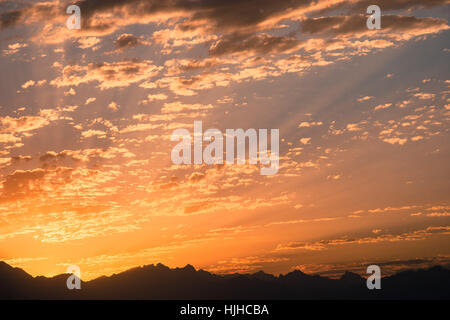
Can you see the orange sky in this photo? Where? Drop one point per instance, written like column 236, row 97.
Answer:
column 86, row 118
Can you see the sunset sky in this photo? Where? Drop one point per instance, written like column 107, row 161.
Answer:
column 86, row 117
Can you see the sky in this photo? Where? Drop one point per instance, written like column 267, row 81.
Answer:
column 86, row 117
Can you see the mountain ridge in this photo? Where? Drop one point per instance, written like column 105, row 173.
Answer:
column 186, row 283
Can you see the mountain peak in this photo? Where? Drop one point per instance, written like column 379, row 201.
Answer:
column 189, row 267
column 262, row 275
column 7, row 270
column 161, row 266
column 296, row 274
column 350, row 276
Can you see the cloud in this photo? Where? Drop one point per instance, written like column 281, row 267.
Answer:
column 71, row 92
column 396, row 26
column 27, row 84
column 244, row 265
column 88, row 42
column 400, row 141
column 223, row 15
column 391, row 5
column 365, row 98
column 153, row 97
column 415, row 235
column 256, row 44
column 86, row 155
column 202, row 18
column 26, row 183
column 306, row 124
column 189, row 86
column 424, row 96
column 382, row 106
column 335, row 270
column 417, row 138
column 10, row 18
column 113, row 106
column 14, row 48
column 196, row 177
column 9, row 138
column 353, row 127
column 178, row 107
column 140, row 127
column 177, row 66
column 108, row 75
column 305, row 140
column 23, row 124
column 125, row 41
column 90, row 100
column 93, row 133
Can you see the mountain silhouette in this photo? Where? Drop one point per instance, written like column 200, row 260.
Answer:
column 161, row 282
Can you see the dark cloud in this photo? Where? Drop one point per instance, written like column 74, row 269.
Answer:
column 125, row 41
column 24, row 183
column 360, row 7
column 52, row 156
column 10, row 18
column 196, row 177
column 20, row 158
column 323, row 24
column 236, row 14
column 258, row 43
column 386, row 5
column 195, row 64
column 343, row 25
column 37, row 11
column 387, row 267
column 223, row 13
